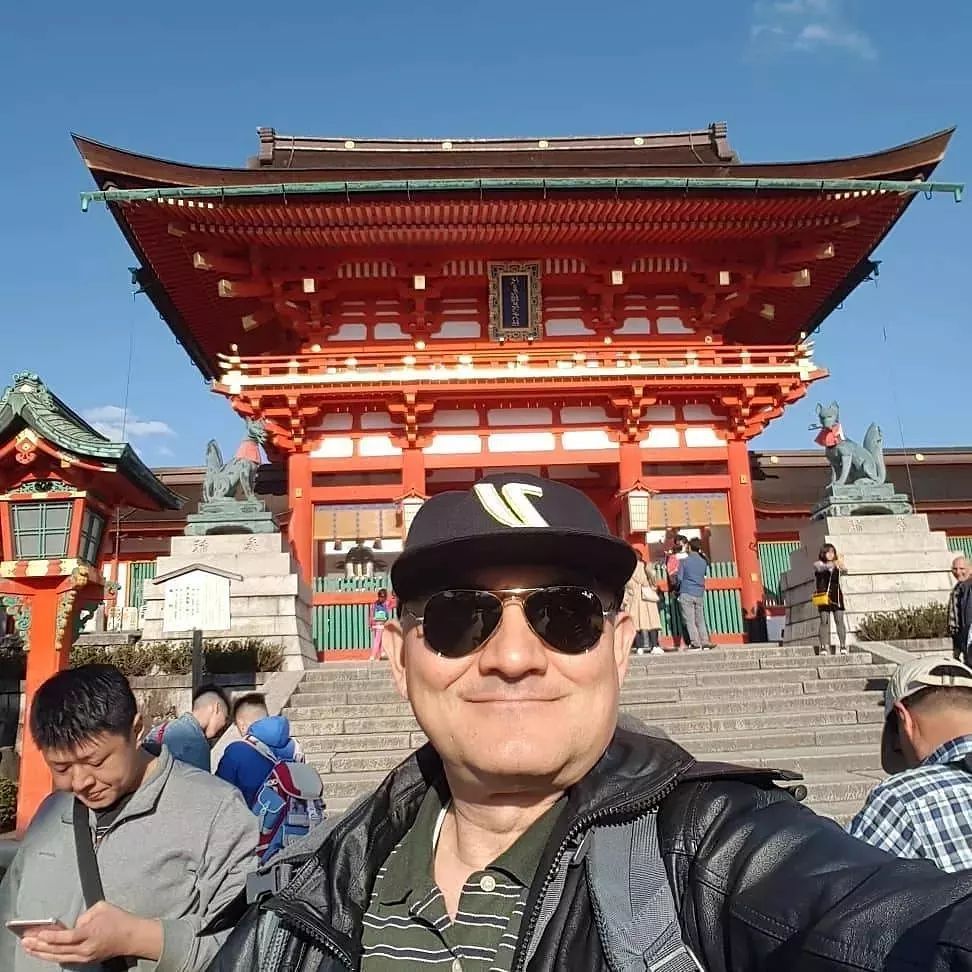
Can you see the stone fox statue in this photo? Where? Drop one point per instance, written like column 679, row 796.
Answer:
column 221, row 480
column 850, row 463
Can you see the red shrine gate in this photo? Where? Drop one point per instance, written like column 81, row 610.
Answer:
column 621, row 313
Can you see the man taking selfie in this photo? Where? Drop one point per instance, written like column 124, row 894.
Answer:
column 532, row 834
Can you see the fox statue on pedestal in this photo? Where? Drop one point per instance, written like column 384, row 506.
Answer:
column 850, row 463
column 221, row 480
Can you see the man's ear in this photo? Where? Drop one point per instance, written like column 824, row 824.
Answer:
column 906, row 721
column 138, row 725
column 624, row 635
column 393, row 645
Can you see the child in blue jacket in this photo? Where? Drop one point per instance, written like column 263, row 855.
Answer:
column 242, row 764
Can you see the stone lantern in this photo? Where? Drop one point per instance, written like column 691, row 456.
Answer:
column 60, row 483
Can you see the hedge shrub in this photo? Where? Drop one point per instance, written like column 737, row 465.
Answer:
column 175, row 657
column 905, row 624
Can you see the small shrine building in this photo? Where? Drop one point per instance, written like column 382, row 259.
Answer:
column 622, row 313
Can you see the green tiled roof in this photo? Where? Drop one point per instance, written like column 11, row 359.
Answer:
column 29, row 402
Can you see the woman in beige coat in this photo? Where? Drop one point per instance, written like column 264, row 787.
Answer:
column 641, row 602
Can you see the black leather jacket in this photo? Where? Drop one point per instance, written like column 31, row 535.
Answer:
column 760, row 882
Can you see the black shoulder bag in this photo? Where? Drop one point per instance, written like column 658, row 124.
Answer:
column 91, row 886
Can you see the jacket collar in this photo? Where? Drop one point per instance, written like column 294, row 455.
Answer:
column 634, row 770
column 144, row 799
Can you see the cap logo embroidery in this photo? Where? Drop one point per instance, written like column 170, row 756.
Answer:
column 513, row 508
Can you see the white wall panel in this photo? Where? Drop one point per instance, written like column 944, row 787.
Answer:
column 522, row 442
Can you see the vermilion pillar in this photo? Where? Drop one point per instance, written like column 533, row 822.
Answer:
column 629, row 465
column 743, row 515
column 54, row 608
column 301, row 529
column 413, row 470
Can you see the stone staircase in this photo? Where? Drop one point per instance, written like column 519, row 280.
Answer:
column 757, row 705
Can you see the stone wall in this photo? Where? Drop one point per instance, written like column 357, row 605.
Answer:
column 165, row 696
column 941, row 647
column 892, row 562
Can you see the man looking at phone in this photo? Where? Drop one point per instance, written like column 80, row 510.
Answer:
column 532, row 835
column 174, row 844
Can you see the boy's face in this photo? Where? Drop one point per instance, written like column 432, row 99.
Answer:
column 99, row 771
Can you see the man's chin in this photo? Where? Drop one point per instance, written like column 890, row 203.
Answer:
column 521, row 767
column 99, row 802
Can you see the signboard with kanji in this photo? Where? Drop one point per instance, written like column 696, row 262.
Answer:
column 197, row 600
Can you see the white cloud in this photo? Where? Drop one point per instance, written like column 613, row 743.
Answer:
column 808, row 26
column 111, row 422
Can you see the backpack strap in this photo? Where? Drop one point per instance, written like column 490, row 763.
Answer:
column 632, row 899
column 262, row 748
column 91, row 888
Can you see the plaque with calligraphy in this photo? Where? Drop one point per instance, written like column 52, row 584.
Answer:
column 514, row 301
column 197, row 600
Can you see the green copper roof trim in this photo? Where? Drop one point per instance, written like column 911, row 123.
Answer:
column 285, row 189
column 31, row 401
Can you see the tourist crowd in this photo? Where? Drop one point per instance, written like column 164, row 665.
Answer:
column 530, row 832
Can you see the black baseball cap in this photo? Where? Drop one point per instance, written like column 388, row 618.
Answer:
column 509, row 519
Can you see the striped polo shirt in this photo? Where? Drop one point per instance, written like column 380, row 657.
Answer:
column 407, row 926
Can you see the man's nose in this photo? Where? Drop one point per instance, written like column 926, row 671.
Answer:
column 81, row 778
column 515, row 649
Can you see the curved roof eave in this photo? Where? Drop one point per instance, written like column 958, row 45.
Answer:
column 60, row 425
column 115, row 167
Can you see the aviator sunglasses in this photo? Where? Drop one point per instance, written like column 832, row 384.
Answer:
column 457, row 623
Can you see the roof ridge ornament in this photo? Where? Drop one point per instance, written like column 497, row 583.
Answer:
column 27, row 383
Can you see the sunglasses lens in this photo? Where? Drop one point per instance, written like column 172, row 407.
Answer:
column 456, row 623
column 569, row 619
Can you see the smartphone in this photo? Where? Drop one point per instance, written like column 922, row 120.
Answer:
column 21, row 926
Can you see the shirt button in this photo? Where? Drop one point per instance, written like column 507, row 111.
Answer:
column 456, row 965
column 487, row 882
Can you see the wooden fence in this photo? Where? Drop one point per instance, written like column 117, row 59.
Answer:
column 340, row 613
column 774, row 559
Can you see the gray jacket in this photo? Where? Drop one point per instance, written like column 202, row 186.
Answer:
column 179, row 851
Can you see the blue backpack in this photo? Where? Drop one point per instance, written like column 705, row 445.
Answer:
column 288, row 804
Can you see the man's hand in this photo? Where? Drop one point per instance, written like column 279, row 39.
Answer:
column 102, row 932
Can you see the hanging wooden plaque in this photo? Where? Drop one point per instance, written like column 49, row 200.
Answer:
column 515, row 305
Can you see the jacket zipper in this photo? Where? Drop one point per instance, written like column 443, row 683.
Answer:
column 320, row 938
column 585, row 823
column 315, row 935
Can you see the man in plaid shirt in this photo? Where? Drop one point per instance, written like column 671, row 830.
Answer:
column 925, row 808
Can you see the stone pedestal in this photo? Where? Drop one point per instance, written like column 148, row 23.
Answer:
column 857, row 500
column 892, row 562
column 270, row 601
column 228, row 516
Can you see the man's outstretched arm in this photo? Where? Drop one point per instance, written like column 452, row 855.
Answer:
column 762, row 883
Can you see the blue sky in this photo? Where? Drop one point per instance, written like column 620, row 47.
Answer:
column 795, row 79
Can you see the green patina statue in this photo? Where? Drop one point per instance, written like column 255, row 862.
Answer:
column 850, row 462
column 220, row 512
column 858, row 476
column 222, row 479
